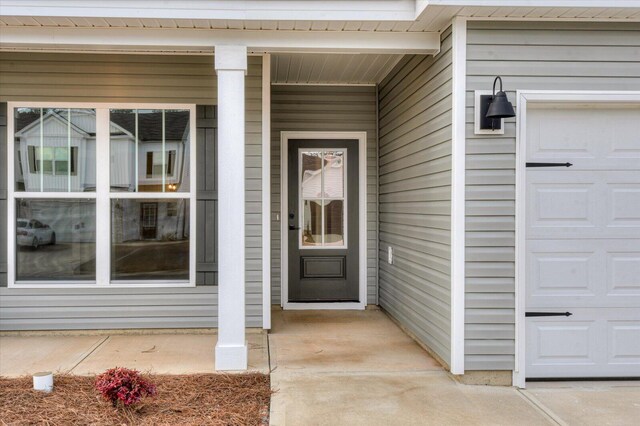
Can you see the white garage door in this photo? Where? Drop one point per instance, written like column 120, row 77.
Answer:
column 583, row 241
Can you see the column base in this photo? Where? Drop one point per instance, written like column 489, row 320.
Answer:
column 231, row 357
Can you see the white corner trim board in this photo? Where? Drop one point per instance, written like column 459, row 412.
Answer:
column 524, row 98
column 458, row 142
column 266, row 191
column 231, row 348
column 362, row 224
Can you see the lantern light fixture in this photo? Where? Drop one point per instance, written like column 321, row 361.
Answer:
column 495, row 107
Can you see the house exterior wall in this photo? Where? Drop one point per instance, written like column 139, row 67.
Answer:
column 415, row 104
column 534, row 56
column 327, row 109
column 148, row 79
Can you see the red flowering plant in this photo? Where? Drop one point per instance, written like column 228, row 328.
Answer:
column 124, row 385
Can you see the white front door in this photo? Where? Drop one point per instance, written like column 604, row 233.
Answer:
column 583, row 241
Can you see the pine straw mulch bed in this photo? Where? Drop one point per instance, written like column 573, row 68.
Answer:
column 199, row 399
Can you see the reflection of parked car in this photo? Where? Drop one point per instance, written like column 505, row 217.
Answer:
column 33, row 233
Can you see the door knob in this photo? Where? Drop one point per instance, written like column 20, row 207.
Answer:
column 293, row 228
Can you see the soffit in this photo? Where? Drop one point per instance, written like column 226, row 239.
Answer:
column 433, row 18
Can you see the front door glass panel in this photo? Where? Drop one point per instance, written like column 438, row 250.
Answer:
column 322, row 198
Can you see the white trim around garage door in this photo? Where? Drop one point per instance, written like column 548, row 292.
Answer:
column 362, row 218
column 525, row 97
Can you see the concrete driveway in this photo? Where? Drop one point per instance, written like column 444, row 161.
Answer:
column 334, row 368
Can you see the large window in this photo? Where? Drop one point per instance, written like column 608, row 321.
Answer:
column 101, row 196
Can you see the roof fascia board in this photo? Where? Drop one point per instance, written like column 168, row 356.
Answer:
column 539, row 3
column 328, row 10
column 272, row 41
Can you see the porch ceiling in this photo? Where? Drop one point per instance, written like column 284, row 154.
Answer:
column 311, row 68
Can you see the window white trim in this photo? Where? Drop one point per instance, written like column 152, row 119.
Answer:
column 362, row 217
column 524, row 97
column 102, row 195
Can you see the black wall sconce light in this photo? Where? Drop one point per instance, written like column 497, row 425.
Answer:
column 495, row 107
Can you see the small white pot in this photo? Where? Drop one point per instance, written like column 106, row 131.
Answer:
column 43, row 381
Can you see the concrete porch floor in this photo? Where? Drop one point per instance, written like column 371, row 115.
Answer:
column 334, row 368
column 87, row 353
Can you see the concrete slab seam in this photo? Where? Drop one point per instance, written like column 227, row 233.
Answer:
column 95, row 348
column 538, row 405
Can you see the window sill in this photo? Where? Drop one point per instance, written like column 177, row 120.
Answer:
column 119, row 285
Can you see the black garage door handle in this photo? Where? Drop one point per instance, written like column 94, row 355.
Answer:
column 547, row 314
column 549, row 164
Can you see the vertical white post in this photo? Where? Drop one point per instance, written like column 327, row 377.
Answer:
column 458, row 184
column 266, row 191
column 231, row 67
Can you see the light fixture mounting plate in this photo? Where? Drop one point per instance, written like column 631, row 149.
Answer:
column 482, row 124
column 488, row 123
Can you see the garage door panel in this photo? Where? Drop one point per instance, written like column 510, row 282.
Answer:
column 583, row 273
column 546, row 127
column 583, row 241
column 624, row 135
column 562, row 342
column 623, row 273
column 591, row 343
column 573, row 204
column 562, row 274
column 623, row 342
column 592, row 138
column 562, row 205
column 623, row 205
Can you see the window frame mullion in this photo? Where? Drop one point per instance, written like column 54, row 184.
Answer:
column 103, row 207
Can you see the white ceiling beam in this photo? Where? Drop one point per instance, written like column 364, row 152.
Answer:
column 66, row 38
column 322, row 10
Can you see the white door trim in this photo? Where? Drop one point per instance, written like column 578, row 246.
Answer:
column 524, row 97
column 362, row 218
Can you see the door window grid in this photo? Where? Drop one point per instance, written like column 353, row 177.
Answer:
column 314, row 206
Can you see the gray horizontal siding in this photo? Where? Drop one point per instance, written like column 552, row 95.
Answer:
column 325, row 108
column 107, row 78
column 415, row 196
column 53, row 309
column 151, row 79
column 528, row 55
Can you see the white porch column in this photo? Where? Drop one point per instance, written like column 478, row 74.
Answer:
column 231, row 67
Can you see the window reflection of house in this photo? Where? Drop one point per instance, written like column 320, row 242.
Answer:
column 56, row 152
column 52, row 150
column 153, row 168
